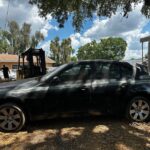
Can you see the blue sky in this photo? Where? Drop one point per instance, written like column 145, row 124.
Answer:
column 131, row 29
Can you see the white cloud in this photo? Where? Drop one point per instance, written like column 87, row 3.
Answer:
column 135, row 54
column 77, row 40
column 1, row 3
column 45, row 46
column 22, row 11
column 129, row 29
column 48, row 27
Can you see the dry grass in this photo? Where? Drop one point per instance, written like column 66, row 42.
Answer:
column 79, row 134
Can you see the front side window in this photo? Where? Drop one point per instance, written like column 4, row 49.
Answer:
column 77, row 72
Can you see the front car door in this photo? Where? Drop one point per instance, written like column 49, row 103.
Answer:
column 72, row 91
column 99, row 86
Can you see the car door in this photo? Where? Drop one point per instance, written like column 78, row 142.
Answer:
column 99, row 86
column 120, row 76
column 114, row 88
column 72, row 90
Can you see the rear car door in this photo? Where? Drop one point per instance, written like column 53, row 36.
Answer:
column 120, row 76
column 109, row 85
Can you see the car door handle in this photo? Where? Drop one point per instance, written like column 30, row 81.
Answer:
column 84, row 88
column 124, row 85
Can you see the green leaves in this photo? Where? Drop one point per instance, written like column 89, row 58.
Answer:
column 36, row 39
column 4, row 43
column 111, row 48
column 80, row 10
column 61, row 50
column 17, row 39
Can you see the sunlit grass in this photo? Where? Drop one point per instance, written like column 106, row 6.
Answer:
column 100, row 129
column 88, row 135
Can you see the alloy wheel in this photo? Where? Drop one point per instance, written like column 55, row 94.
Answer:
column 139, row 110
column 11, row 118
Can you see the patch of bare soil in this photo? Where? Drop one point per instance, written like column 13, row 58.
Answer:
column 98, row 133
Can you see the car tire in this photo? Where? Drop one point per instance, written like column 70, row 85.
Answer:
column 138, row 110
column 12, row 117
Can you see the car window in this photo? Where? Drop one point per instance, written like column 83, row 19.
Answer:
column 106, row 70
column 77, row 72
column 140, row 71
column 126, row 72
column 114, row 72
column 50, row 74
column 102, row 71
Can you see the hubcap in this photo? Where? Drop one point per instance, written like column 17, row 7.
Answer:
column 10, row 118
column 139, row 110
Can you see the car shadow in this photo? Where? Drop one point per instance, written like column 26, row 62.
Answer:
column 85, row 133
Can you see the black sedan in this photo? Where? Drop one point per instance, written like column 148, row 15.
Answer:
column 111, row 87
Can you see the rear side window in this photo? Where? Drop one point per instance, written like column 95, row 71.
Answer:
column 126, row 72
column 102, row 71
column 114, row 72
column 117, row 71
column 106, row 70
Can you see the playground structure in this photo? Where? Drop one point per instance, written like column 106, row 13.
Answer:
column 143, row 40
column 31, row 63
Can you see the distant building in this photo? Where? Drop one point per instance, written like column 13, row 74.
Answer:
column 11, row 61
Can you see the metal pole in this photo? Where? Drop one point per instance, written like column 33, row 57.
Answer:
column 142, row 53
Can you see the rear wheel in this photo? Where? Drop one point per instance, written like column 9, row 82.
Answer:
column 138, row 109
column 12, row 118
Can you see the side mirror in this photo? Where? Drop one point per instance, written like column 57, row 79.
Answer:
column 55, row 80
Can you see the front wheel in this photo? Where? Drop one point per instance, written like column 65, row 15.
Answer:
column 138, row 109
column 12, row 118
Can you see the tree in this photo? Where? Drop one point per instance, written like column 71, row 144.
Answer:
column 25, row 36
column 66, row 51
column 55, row 50
column 37, row 38
column 18, row 39
column 88, row 51
column 80, row 10
column 61, row 51
column 14, row 35
column 4, row 45
column 111, row 48
column 74, row 59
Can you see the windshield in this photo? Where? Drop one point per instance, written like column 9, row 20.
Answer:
column 53, row 72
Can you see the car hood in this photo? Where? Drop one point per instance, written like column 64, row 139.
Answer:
column 19, row 83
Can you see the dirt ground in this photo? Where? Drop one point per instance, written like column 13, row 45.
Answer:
column 87, row 133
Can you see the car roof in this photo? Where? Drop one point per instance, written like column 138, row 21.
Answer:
column 105, row 60
column 98, row 60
